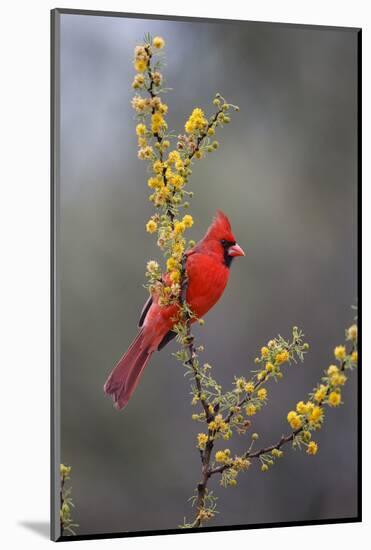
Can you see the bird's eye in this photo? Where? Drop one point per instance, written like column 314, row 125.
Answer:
column 223, row 242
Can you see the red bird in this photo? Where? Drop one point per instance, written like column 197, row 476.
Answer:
column 207, row 268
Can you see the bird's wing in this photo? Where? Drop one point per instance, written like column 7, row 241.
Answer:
column 144, row 311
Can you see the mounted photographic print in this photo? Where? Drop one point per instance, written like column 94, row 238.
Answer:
column 205, row 192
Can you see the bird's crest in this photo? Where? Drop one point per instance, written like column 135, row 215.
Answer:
column 220, row 228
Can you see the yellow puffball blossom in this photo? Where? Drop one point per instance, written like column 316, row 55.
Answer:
column 188, row 220
column 179, row 165
column 294, row 420
column 196, row 121
column 158, row 122
column 158, row 42
column 277, row 453
column 340, row 352
column 145, row 153
column 301, row 408
column 65, row 470
column 179, row 228
column 316, row 415
column 354, row 356
column 139, row 104
column 262, row 394
column 333, row 369
column 269, row 367
column 240, row 463
column 334, row 399
column 141, row 129
column 157, row 166
column 249, row 387
column 338, row 379
column 352, row 333
column 140, row 65
column 201, row 441
column 154, row 183
column 264, row 468
column 178, row 249
column 151, row 226
column 222, row 456
column 152, row 266
column 312, row 448
column 264, row 352
column 171, row 264
column 177, row 181
column 138, row 81
column 175, row 276
column 250, row 409
column 282, row 357
column 321, row 393
column 173, row 157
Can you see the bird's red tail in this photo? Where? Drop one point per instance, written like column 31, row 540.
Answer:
column 124, row 378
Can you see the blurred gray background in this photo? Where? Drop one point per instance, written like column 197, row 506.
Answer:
column 286, row 175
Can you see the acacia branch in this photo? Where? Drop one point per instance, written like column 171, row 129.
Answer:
column 284, row 439
column 206, row 454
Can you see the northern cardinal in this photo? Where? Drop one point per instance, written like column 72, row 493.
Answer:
column 207, row 268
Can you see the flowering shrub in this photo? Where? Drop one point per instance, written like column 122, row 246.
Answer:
column 221, row 414
column 66, row 521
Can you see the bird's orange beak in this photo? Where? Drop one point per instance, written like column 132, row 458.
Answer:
column 235, row 250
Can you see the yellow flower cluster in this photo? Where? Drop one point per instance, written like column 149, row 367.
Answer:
column 282, row 357
column 141, row 59
column 352, row 333
column 204, row 515
column 294, row 420
column 250, row 409
column 312, row 448
column 320, row 393
column 334, row 399
column 277, row 453
column 223, row 456
column 197, row 122
column 170, row 169
column 240, row 464
column 219, row 425
column 305, row 413
column 65, row 471
column 340, row 353
column 201, row 441
column 158, row 42
column 262, row 394
column 151, row 226
column 138, row 81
